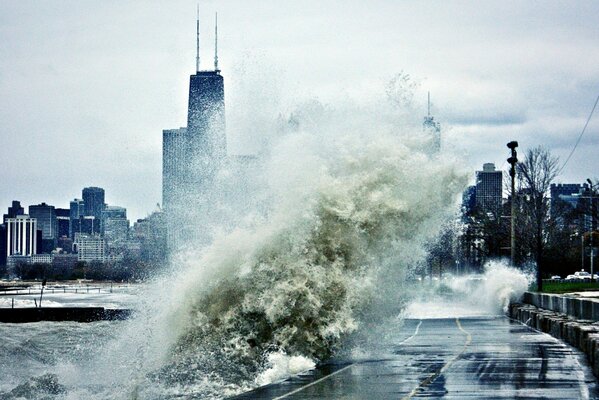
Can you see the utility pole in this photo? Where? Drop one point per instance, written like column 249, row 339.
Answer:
column 513, row 160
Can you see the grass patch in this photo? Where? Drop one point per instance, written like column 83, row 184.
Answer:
column 565, row 287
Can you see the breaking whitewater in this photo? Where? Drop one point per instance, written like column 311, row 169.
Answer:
column 348, row 198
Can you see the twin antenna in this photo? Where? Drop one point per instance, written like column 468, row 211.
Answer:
column 198, row 41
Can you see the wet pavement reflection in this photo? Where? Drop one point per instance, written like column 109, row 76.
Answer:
column 453, row 358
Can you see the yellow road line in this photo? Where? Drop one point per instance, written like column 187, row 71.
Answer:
column 445, row 367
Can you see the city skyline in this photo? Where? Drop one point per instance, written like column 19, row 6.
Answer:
column 92, row 86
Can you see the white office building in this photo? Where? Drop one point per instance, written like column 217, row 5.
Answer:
column 21, row 235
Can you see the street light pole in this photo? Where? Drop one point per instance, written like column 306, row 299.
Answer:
column 513, row 160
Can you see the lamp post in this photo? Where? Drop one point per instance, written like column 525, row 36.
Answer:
column 592, row 229
column 513, row 160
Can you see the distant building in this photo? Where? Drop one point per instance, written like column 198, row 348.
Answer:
column 3, row 245
column 63, row 219
column 174, row 143
column 13, row 211
column 432, row 128
column 489, row 189
column 192, row 156
column 93, row 199
column 569, row 193
column 64, row 262
column 41, row 259
column 90, row 248
column 47, row 223
column 149, row 238
column 115, row 225
column 22, row 236
column 87, row 225
column 469, row 200
column 76, row 211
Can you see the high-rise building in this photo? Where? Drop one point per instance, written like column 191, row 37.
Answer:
column 88, row 225
column 63, row 219
column 21, row 236
column 93, row 199
column 192, row 156
column 13, row 211
column 76, row 211
column 469, row 200
column 90, row 248
column 570, row 193
column 432, row 128
column 3, row 246
column 489, row 189
column 115, row 225
column 46, row 221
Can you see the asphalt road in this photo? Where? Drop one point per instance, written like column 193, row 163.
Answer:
column 453, row 358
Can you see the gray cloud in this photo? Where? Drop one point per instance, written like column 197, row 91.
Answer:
column 87, row 87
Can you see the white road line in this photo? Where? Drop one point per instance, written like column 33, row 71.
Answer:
column 414, row 335
column 340, row 370
column 314, row 383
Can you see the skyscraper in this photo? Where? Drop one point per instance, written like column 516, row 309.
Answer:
column 115, row 225
column 21, row 236
column 13, row 211
column 46, row 221
column 77, row 210
column 63, row 217
column 193, row 155
column 432, row 128
column 489, row 189
column 93, row 198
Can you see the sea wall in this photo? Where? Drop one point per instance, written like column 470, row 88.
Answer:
column 78, row 314
column 572, row 320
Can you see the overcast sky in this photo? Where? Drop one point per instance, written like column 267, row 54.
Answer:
column 88, row 86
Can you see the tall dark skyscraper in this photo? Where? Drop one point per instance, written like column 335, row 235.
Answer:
column 192, row 155
column 76, row 211
column 47, row 223
column 93, row 198
column 63, row 218
column 489, row 189
column 13, row 211
column 46, row 220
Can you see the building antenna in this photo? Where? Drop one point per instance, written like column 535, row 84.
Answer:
column 198, row 40
column 216, row 42
column 429, row 103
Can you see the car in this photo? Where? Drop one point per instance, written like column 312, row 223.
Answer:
column 580, row 276
column 556, row 277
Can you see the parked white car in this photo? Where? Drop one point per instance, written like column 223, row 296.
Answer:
column 556, row 277
column 580, row 276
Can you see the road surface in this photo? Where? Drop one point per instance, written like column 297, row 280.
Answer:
column 451, row 358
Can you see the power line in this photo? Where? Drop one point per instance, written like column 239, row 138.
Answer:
column 580, row 137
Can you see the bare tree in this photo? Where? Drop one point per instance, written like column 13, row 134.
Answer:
column 535, row 174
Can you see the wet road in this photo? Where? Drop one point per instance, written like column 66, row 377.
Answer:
column 457, row 358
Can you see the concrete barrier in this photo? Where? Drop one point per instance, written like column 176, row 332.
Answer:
column 581, row 308
column 78, row 314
